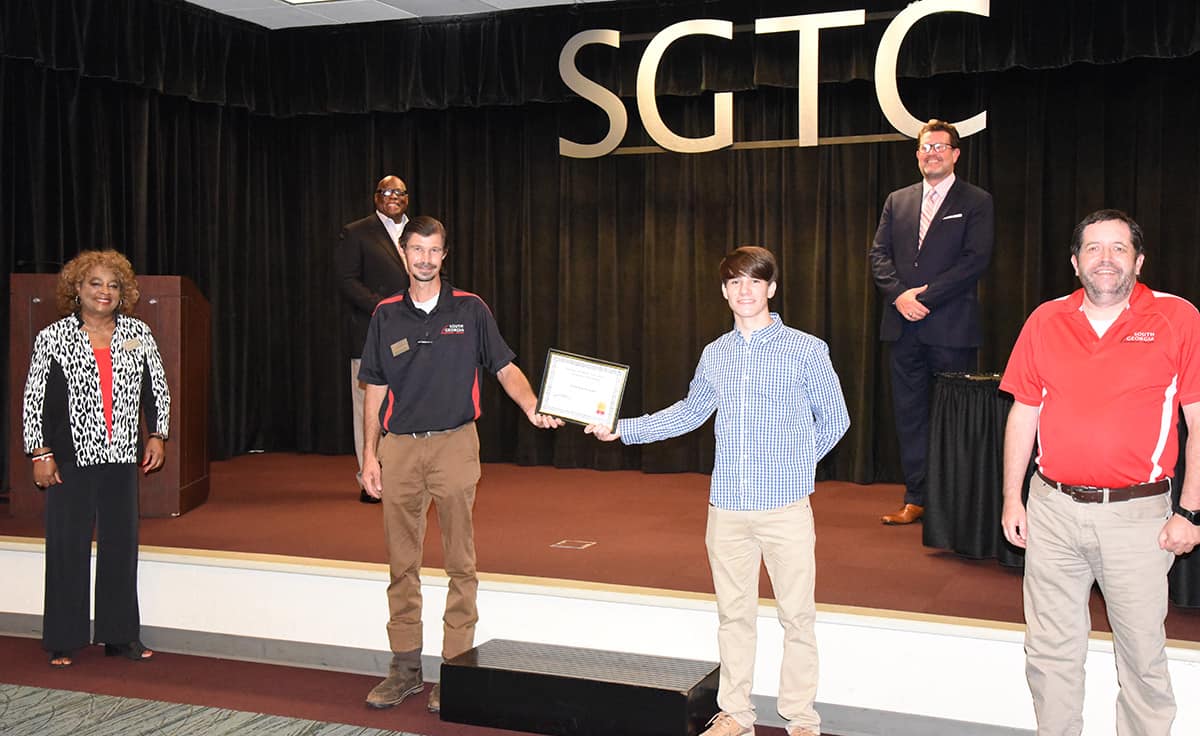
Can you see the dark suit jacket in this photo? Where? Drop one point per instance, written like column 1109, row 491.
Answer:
column 369, row 270
column 956, row 253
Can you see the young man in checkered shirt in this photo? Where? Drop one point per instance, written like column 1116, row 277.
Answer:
column 779, row 409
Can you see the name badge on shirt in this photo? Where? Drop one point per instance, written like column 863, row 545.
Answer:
column 400, row 347
column 131, row 344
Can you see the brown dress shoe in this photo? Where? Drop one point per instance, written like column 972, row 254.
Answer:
column 434, row 705
column 907, row 515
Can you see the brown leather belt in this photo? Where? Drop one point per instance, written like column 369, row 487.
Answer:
column 1092, row 494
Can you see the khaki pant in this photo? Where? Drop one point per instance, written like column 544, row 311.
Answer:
column 442, row 468
column 784, row 539
column 1072, row 545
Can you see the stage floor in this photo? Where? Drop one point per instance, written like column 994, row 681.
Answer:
column 647, row 530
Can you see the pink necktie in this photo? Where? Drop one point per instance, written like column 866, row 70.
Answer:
column 928, row 208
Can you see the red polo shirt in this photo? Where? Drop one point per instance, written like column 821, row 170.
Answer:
column 1108, row 405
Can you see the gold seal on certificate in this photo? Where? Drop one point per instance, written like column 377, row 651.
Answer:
column 581, row 389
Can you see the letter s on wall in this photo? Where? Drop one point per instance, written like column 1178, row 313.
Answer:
column 618, row 119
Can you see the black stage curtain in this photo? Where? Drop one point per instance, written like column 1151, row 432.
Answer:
column 174, row 48
column 613, row 257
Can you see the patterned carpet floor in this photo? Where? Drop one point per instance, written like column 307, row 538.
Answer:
column 30, row 711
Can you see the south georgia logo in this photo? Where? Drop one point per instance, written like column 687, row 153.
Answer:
column 453, row 329
column 1140, row 337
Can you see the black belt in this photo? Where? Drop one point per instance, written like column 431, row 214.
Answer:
column 1092, row 494
column 432, row 433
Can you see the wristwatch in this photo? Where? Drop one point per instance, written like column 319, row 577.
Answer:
column 1192, row 516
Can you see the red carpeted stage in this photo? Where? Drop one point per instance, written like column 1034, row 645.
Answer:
column 648, row 531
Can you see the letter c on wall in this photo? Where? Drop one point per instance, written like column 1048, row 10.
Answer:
column 889, row 49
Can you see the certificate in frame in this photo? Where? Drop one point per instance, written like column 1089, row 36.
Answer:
column 582, row 390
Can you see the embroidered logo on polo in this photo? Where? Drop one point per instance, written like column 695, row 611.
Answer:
column 454, row 329
column 1144, row 336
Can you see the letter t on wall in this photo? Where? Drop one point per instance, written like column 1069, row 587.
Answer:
column 809, row 27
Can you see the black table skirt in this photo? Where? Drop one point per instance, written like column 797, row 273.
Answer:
column 1185, row 574
column 964, row 496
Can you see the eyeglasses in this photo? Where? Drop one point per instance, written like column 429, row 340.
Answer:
column 930, row 147
column 392, row 192
column 421, row 252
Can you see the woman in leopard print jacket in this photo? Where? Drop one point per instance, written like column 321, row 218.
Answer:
column 91, row 375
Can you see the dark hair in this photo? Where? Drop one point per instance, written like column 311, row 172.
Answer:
column 76, row 270
column 940, row 125
column 749, row 260
column 422, row 225
column 1135, row 230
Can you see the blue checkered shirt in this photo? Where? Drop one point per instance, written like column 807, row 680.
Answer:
column 779, row 410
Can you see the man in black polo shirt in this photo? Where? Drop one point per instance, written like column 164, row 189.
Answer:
column 422, row 362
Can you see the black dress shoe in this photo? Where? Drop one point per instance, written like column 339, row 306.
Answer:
column 364, row 497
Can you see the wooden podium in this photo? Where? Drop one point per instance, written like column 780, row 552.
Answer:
column 178, row 315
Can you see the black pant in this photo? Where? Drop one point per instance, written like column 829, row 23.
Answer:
column 914, row 365
column 104, row 496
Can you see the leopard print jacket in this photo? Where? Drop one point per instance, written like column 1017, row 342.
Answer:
column 62, row 355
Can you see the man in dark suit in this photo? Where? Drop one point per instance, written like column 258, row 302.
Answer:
column 933, row 244
column 370, row 269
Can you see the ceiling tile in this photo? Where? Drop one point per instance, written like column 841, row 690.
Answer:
column 358, row 11
column 226, row 5
column 435, row 8
column 279, row 14
column 514, row 4
column 284, row 16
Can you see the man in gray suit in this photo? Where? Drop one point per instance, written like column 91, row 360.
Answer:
column 933, row 244
column 370, row 269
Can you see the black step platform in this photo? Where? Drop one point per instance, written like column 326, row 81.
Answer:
column 568, row 691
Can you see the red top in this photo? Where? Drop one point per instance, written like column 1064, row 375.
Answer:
column 104, row 364
column 1108, row 406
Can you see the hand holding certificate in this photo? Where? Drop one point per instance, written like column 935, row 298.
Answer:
column 582, row 390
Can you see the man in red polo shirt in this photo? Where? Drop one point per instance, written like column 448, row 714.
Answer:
column 1098, row 378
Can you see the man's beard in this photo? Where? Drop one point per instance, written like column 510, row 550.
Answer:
column 1119, row 293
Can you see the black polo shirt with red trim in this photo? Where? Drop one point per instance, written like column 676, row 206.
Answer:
column 431, row 363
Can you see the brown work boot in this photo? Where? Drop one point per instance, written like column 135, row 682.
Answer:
column 404, row 679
